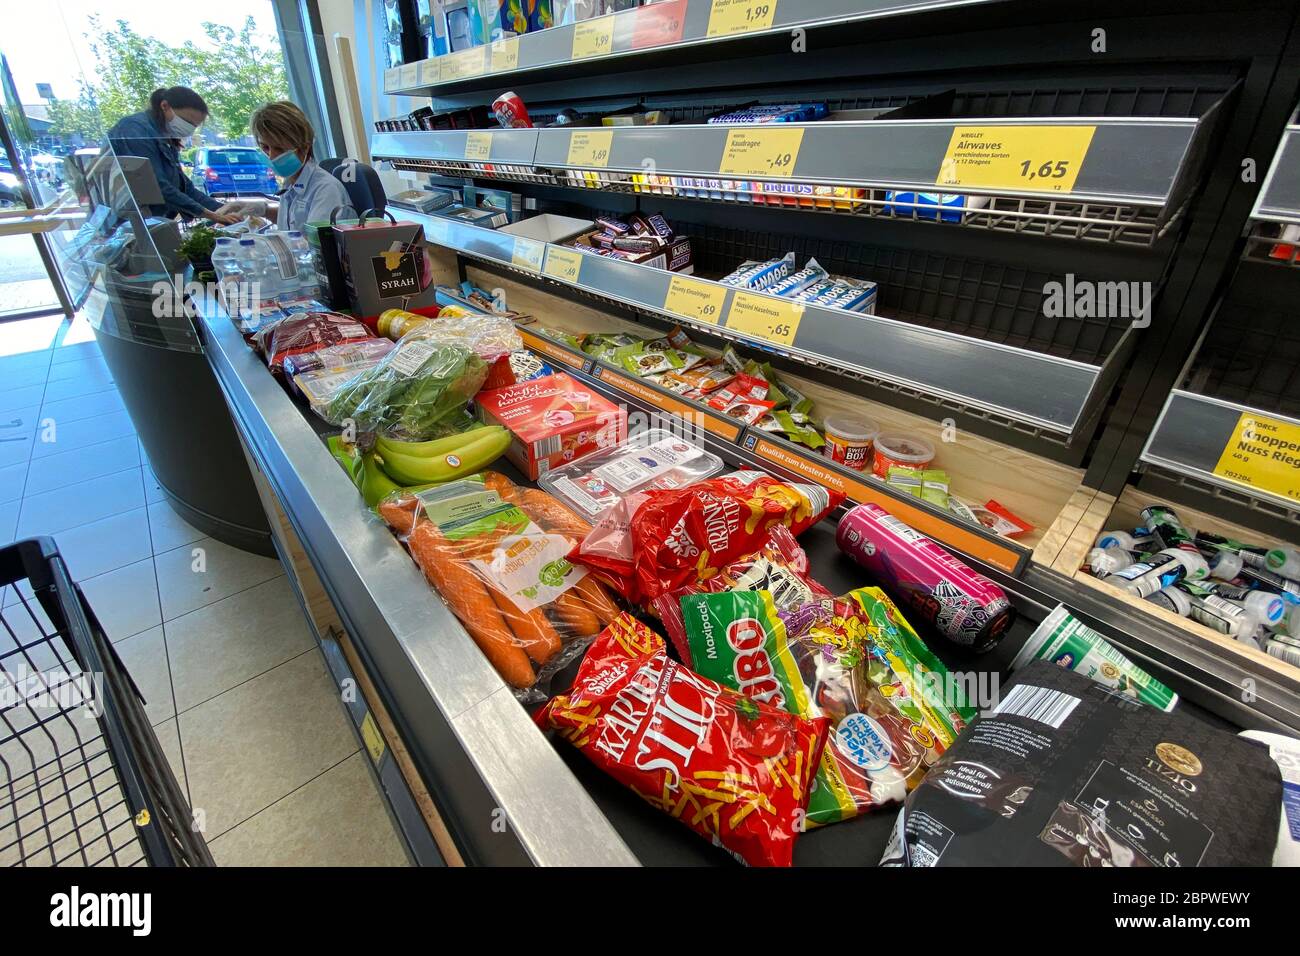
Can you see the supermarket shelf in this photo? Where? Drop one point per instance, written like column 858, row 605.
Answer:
column 1191, row 436
column 659, row 28
column 1033, row 388
column 1279, row 196
column 477, row 747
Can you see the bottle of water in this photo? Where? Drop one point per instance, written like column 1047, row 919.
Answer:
column 224, row 255
column 308, row 284
column 228, row 265
column 258, row 284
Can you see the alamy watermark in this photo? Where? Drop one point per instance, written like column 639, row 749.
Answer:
column 1085, row 299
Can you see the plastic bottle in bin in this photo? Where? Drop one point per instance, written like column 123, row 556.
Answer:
column 308, row 284
column 962, row 604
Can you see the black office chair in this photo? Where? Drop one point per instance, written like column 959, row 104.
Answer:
column 361, row 181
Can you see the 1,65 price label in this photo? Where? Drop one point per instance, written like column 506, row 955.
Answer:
column 692, row 299
column 740, row 16
column 563, row 264
column 766, row 318
column 769, row 153
column 1263, row 453
column 478, row 146
column 590, row 148
column 1033, row 158
column 593, row 38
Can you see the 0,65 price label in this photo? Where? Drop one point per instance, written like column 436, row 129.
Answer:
column 727, row 17
column 768, row 153
column 590, row 148
column 1263, row 453
column 563, row 264
column 766, row 318
column 692, row 299
column 1020, row 158
column 593, row 38
column 478, row 146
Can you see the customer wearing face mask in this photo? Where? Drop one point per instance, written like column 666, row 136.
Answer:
column 285, row 135
column 157, row 134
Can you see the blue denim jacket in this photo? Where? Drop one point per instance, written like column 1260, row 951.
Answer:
column 139, row 135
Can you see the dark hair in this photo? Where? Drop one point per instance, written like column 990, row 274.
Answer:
column 178, row 98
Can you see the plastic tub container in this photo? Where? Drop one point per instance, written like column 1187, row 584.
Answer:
column 901, row 450
column 850, row 441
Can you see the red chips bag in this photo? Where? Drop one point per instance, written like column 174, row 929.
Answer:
column 734, row 770
column 686, row 535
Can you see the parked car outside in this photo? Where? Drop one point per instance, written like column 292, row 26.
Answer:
column 233, row 170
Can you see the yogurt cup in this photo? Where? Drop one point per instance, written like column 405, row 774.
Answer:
column 901, row 450
column 849, row 440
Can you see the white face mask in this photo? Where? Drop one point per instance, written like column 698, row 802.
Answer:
column 180, row 127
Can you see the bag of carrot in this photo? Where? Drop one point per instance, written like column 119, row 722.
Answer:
column 497, row 554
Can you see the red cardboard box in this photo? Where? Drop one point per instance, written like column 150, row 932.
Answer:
column 554, row 420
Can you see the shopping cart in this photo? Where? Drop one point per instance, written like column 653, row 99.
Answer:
column 83, row 780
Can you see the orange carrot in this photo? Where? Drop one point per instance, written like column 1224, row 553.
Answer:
column 595, row 597
column 399, row 517
column 575, row 615
column 531, row 628
column 549, row 513
column 470, row 601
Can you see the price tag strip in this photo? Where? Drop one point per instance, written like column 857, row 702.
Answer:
column 553, row 350
column 410, row 76
column 693, row 299
column 528, row 253
column 463, row 65
column 563, row 264
column 593, row 38
column 1008, row 557
column 668, row 404
column 590, row 147
column 765, row 317
column 762, row 152
column 504, row 54
column 1263, row 453
column 1015, row 158
column 478, row 146
column 729, row 17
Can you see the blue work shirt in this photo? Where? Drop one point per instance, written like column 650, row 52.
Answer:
column 313, row 196
column 140, row 135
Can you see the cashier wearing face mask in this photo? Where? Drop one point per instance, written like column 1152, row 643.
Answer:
column 285, row 135
column 157, row 134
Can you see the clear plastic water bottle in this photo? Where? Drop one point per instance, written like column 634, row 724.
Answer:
column 225, row 255
column 257, row 283
column 308, row 284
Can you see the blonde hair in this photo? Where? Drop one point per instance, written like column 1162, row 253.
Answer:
column 282, row 124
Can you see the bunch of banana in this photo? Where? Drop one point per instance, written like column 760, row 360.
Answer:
column 442, row 459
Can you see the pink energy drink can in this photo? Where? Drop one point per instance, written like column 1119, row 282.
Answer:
column 511, row 112
column 962, row 604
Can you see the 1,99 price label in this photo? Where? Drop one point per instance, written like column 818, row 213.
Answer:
column 505, row 54
column 767, row 153
column 563, row 264
column 1020, row 158
column 692, row 299
column 1263, row 453
column 727, row 17
column 766, row 318
column 593, row 38
column 590, row 148
column 478, row 146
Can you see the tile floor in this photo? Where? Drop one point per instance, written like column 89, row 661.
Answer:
column 237, row 690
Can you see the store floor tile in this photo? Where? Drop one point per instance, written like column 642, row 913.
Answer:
column 234, row 640
column 82, row 406
column 92, row 461
column 27, row 336
column 146, row 659
column 90, row 380
column 77, row 370
column 169, row 736
column 168, row 529
column 48, row 512
column 125, row 600
column 23, row 397
column 336, row 819
column 196, row 574
column 262, row 740
column 23, row 376
column 12, row 478
column 105, row 545
column 73, row 436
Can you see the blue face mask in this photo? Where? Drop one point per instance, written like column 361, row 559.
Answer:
column 286, row 164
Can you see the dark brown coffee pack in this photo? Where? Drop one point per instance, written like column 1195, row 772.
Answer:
column 1066, row 772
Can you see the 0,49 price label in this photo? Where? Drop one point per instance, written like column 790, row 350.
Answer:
column 593, row 38
column 590, row 148
column 727, row 17
column 563, row 264
column 692, row 299
column 768, row 153
column 763, row 317
column 1263, row 453
column 1021, row 158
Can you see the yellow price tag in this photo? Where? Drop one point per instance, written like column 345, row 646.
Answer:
column 375, row 745
column 505, row 54
column 590, row 147
column 1263, row 453
column 478, row 146
column 527, row 254
column 764, row 317
column 392, row 79
column 768, row 153
column 593, row 38
column 430, row 72
column 693, row 299
column 740, row 16
column 563, row 264
column 463, row 65
column 410, row 76
column 1032, row 158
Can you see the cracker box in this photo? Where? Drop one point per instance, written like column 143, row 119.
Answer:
column 554, row 420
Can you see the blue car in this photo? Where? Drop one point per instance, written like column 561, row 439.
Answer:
column 233, row 170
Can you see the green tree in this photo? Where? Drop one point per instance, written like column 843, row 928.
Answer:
column 235, row 72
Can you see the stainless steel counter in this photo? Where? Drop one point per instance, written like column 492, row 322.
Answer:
column 503, row 792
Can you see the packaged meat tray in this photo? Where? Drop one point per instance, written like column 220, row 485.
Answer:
column 648, row 460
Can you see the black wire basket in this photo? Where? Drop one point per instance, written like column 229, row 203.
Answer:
column 83, row 779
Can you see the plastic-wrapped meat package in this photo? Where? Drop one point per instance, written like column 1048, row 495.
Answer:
column 308, row 332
